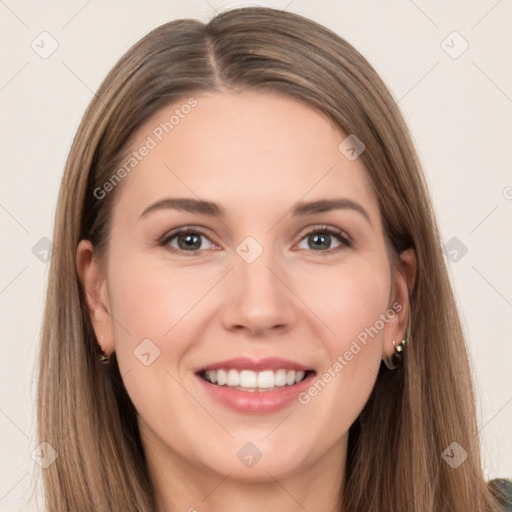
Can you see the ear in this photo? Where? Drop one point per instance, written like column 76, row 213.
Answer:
column 94, row 283
column 404, row 279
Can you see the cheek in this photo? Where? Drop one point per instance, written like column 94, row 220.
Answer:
column 363, row 298
column 349, row 301
column 351, row 306
column 154, row 308
column 150, row 300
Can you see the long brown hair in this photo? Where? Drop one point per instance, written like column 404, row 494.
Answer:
column 394, row 459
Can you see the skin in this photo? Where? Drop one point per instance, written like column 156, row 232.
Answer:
column 256, row 154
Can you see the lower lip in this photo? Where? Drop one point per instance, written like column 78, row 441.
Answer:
column 259, row 402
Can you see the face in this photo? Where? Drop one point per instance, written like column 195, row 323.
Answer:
column 287, row 308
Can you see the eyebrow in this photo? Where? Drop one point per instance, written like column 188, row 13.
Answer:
column 209, row 208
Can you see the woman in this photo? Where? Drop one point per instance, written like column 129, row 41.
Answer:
column 245, row 235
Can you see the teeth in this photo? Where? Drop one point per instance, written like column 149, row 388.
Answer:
column 280, row 378
column 249, row 379
column 222, row 377
column 211, row 376
column 233, row 378
column 266, row 379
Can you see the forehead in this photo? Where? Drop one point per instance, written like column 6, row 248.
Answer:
column 243, row 149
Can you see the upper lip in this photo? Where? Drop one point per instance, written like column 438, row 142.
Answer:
column 257, row 365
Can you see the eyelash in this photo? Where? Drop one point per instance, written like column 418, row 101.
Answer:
column 342, row 237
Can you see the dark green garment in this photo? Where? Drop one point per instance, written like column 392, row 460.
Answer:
column 504, row 488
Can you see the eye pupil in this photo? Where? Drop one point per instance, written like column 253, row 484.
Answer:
column 318, row 238
column 190, row 241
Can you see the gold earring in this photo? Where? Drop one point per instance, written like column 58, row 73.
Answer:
column 396, row 359
column 103, row 357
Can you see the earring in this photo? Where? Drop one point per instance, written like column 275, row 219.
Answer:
column 103, row 357
column 396, row 360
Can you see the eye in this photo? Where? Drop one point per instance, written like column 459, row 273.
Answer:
column 188, row 239
column 185, row 240
column 320, row 238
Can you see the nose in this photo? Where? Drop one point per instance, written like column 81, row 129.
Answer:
column 258, row 299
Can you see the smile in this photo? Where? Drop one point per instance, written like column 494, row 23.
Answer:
column 245, row 385
column 249, row 380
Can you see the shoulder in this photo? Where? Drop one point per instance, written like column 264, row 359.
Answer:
column 503, row 488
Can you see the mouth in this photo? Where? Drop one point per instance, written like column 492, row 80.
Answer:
column 248, row 386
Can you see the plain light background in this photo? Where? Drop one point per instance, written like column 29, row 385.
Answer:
column 458, row 107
